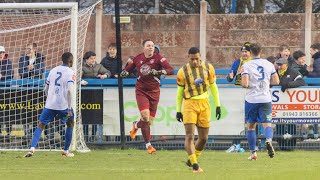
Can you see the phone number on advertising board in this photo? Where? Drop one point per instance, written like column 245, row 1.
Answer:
column 303, row 114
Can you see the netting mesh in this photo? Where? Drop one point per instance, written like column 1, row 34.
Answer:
column 24, row 68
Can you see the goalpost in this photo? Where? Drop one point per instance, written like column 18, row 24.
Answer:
column 55, row 28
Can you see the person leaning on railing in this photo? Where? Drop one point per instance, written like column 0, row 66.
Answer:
column 90, row 69
column 237, row 64
column 31, row 64
column 289, row 77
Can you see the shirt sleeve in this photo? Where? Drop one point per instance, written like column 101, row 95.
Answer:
column 131, row 66
column 244, row 70
column 180, row 78
column 273, row 70
column 71, row 77
column 212, row 74
column 166, row 66
column 48, row 78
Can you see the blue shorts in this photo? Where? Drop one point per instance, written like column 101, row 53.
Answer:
column 258, row 112
column 48, row 115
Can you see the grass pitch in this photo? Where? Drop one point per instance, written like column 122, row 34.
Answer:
column 138, row 164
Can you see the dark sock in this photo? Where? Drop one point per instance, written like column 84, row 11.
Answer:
column 36, row 137
column 145, row 130
column 195, row 166
column 68, row 138
column 140, row 124
column 252, row 139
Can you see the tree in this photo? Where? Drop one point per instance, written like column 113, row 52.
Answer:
column 289, row 6
column 214, row 6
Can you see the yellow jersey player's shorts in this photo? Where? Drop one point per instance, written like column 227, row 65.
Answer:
column 197, row 111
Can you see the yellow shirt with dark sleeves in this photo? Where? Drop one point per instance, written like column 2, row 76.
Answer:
column 187, row 75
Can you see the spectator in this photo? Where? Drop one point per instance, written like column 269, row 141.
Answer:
column 284, row 52
column 133, row 73
column 272, row 59
column 6, row 70
column 314, row 70
column 300, row 63
column 237, row 64
column 289, row 78
column 91, row 69
column 31, row 65
column 156, row 48
column 110, row 61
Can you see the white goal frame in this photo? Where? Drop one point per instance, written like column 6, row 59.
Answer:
column 73, row 39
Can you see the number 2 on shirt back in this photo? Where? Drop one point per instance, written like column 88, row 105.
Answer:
column 57, row 79
column 261, row 71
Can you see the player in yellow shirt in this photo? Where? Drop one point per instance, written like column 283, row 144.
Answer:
column 194, row 81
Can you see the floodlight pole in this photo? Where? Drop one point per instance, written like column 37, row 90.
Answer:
column 307, row 32
column 203, row 29
column 120, row 86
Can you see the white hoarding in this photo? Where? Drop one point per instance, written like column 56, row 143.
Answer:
column 231, row 122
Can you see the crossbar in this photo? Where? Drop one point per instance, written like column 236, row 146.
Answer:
column 37, row 5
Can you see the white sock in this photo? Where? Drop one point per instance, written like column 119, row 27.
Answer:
column 148, row 144
column 136, row 124
column 32, row 149
column 66, row 151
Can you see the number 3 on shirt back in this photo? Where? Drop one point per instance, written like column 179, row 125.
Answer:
column 261, row 71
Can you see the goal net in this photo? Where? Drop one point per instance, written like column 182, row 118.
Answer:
column 33, row 36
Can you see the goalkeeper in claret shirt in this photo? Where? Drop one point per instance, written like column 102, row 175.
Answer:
column 58, row 89
column 150, row 67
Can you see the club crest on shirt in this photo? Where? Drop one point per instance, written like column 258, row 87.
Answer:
column 141, row 62
column 152, row 61
column 145, row 69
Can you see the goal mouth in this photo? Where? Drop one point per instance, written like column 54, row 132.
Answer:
column 33, row 37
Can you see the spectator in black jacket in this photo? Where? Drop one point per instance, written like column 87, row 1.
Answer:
column 289, row 78
column 314, row 71
column 110, row 61
column 31, row 64
column 300, row 63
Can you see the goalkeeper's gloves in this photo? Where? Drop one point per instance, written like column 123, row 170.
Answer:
column 179, row 117
column 154, row 72
column 218, row 112
column 124, row 73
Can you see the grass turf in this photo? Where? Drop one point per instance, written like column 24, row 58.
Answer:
column 138, row 164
